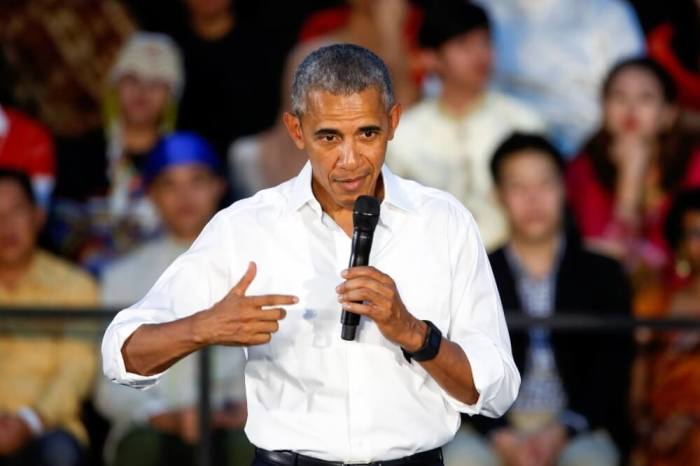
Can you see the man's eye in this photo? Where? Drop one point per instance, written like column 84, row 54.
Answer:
column 370, row 133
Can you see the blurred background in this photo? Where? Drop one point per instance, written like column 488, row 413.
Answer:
column 569, row 128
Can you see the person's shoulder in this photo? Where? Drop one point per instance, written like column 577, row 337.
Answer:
column 424, row 110
column 514, row 110
column 590, row 262
column 30, row 128
column 274, row 200
column 62, row 274
column 433, row 202
column 133, row 262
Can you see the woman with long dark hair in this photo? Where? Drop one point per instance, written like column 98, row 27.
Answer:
column 621, row 185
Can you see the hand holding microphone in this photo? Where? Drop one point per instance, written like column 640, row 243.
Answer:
column 371, row 293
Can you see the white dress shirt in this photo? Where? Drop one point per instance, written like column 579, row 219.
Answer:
column 453, row 154
column 308, row 390
column 554, row 54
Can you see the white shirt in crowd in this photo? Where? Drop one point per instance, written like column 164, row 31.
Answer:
column 308, row 390
column 554, row 55
column 453, row 154
column 127, row 281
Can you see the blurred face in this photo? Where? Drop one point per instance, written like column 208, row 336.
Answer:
column 20, row 222
column 532, row 194
column 209, row 8
column 142, row 102
column 635, row 105
column 345, row 138
column 186, row 197
column 466, row 60
column 691, row 240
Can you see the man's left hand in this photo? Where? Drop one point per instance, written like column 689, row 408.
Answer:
column 367, row 291
column 14, row 434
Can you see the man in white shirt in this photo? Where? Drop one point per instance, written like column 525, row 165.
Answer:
column 160, row 426
column 446, row 142
column 396, row 392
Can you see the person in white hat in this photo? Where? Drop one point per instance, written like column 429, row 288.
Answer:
column 105, row 179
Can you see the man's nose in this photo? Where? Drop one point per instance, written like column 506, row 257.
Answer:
column 348, row 155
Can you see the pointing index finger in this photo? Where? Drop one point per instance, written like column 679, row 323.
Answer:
column 272, row 300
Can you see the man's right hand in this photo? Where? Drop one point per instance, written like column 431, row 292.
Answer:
column 242, row 320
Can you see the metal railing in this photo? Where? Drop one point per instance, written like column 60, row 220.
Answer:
column 517, row 322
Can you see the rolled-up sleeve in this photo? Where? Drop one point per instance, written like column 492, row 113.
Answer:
column 194, row 282
column 477, row 324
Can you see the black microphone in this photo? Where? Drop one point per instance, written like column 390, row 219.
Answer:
column 365, row 215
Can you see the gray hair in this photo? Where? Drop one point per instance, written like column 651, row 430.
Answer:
column 341, row 69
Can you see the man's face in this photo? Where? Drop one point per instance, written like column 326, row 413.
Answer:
column 142, row 102
column 20, row 222
column 186, row 197
column 466, row 60
column 532, row 194
column 345, row 138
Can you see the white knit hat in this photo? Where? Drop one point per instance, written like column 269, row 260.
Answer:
column 151, row 56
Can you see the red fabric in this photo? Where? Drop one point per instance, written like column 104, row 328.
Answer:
column 26, row 146
column 688, row 82
column 593, row 205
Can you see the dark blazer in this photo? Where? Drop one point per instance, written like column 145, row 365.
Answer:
column 594, row 366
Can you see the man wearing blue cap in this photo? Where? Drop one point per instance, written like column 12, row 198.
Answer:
column 159, row 426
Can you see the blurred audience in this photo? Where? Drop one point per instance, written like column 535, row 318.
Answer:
column 160, row 426
column 46, row 372
column 572, row 400
column 60, row 54
column 233, row 72
column 667, row 371
column 271, row 157
column 553, row 54
column 101, row 209
column 26, row 146
column 621, row 185
column 446, row 142
column 676, row 46
column 387, row 27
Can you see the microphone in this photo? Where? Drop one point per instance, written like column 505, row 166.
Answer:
column 365, row 215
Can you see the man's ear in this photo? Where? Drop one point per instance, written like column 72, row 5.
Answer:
column 394, row 117
column 293, row 124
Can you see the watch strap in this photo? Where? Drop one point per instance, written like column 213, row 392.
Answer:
column 431, row 345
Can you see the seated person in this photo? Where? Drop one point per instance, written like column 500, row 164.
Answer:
column 446, row 142
column 160, row 425
column 101, row 209
column 667, row 370
column 571, row 408
column 46, row 373
column 621, row 185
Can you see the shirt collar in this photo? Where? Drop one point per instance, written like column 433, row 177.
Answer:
column 394, row 194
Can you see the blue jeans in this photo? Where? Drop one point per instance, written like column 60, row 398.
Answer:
column 55, row 448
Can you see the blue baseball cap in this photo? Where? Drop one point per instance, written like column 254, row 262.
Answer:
column 180, row 148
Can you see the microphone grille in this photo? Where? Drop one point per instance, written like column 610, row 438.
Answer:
column 365, row 214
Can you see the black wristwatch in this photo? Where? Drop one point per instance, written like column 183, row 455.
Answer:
column 430, row 347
